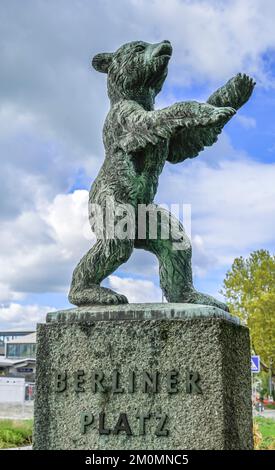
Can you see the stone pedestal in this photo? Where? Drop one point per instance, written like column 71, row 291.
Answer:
column 143, row 376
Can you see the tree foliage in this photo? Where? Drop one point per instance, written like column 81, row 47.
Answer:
column 249, row 288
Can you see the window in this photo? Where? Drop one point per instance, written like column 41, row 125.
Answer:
column 21, row 350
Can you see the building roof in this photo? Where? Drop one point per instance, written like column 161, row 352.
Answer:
column 26, row 339
column 4, row 362
column 15, row 331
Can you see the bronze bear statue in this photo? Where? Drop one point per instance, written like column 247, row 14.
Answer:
column 138, row 140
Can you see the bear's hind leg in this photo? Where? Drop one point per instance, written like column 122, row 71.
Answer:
column 174, row 254
column 100, row 261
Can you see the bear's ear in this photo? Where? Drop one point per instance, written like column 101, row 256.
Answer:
column 102, row 61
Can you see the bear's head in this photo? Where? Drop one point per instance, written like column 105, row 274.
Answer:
column 136, row 71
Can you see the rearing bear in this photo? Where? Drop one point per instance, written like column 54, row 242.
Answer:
column 138, row 141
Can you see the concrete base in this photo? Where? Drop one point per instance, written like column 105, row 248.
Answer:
column 143, row 376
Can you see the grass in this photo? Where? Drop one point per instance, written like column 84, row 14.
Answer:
column 19, row 433
column 15, row 433
column 269, row 406
column 265, row 429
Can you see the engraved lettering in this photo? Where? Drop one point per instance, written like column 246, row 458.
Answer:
column 192, row 379
column 161, row 430
column 79, row 381
column 131, row 382
column 102, row 429
column 61, row 381
column 97, row 379
column 142, row 418
column 172, row 381
column 150, row 382
column 86, row 419
column 122, row 425
column 115, row 382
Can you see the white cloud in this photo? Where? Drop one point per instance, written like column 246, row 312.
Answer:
column 39, row 248
column 13, row 121
column 246, row 121
column 136, row 290
column 7, row 295
column 141, row 263
column 203, row 260
column 22, row 316
column 211, row 39
column 67, row 216
column 233, row 206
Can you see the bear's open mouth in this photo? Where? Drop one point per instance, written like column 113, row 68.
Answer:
column 163, row 50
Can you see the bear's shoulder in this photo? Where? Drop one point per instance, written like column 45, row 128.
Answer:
column 124, row 109
column 123, row 117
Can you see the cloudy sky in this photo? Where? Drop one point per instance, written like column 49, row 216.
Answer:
column 52, row 109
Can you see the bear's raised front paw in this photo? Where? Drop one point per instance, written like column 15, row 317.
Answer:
column 222, row 115
column 244, row 85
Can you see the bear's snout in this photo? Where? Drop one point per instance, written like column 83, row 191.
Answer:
column 163, row 48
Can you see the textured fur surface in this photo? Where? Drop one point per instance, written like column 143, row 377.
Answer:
column 138, row 140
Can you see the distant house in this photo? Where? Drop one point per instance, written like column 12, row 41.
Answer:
column 7, row 335
column 19, row 359
column 2, row 348
column 21, row 347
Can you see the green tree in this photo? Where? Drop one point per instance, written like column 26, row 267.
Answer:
column 249, row 288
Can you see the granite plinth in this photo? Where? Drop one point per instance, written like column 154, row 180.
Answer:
column 143, row 376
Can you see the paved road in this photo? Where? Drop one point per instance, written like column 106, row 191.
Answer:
column 12, row 411
column 266, row 414
column 19, row 448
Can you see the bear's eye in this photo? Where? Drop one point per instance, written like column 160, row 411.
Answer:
column 139, row 48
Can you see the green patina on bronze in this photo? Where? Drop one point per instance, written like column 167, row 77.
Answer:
column 138, row 141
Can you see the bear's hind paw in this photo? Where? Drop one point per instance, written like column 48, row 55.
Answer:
column 96, row 295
